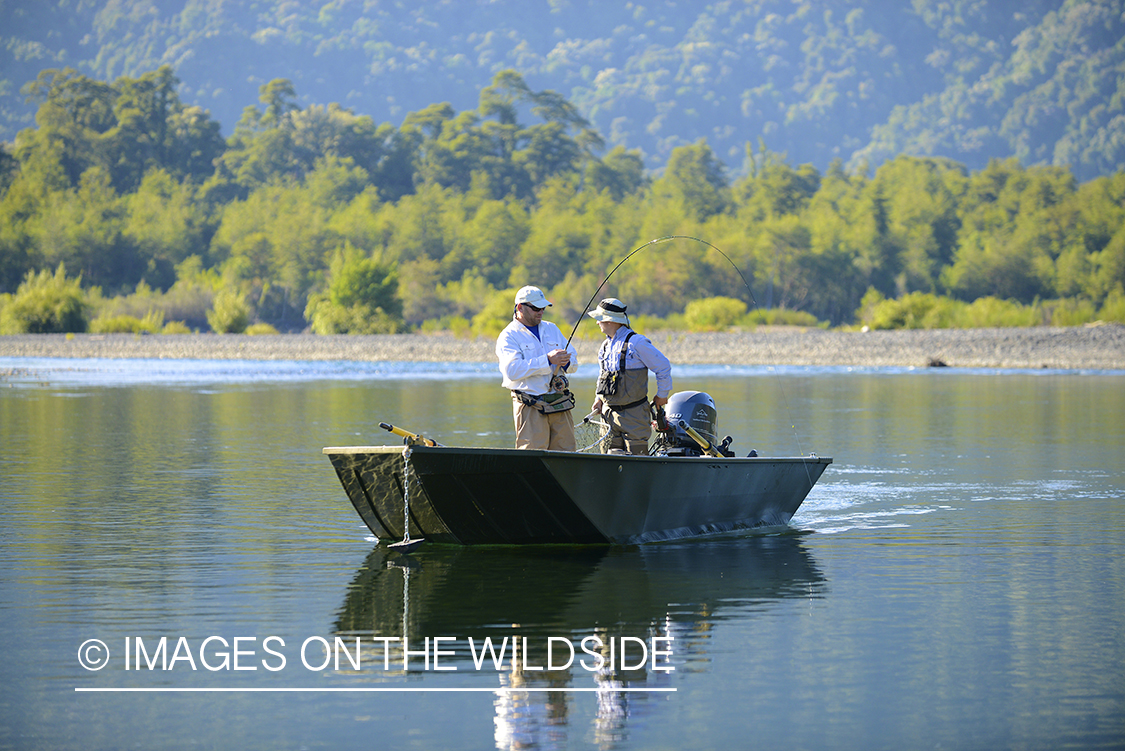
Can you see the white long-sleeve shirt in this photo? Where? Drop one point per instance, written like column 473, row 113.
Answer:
column 640, row 354
column 523, row 356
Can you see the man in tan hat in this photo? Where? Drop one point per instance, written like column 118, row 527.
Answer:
column 534, row 355
column 626, row 357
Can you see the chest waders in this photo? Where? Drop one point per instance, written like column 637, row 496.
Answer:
column 622, row 389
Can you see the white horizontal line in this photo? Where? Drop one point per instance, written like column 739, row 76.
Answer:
column 367, row 690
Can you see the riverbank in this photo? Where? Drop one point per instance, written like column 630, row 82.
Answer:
column 1085, row 347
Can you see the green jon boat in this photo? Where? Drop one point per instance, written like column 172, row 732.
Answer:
column 480, row 496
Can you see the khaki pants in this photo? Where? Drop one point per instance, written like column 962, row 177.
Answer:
column 629, row 430
column 535, row 430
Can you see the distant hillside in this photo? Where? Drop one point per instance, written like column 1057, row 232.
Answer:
column 819, row 80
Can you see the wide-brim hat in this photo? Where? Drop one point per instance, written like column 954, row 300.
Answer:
column 532, row 296
column 610, row 309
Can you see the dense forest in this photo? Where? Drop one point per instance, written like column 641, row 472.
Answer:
column 859, row 80
column 127, row 206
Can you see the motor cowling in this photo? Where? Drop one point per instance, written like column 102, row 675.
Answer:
column 697, row 409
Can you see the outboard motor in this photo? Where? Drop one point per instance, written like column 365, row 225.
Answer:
column 697, row 409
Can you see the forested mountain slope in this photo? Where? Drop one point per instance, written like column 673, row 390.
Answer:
column 1041, row 80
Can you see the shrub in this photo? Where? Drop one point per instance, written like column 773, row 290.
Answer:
column 188, row 300
column 1071, row 312
column 780, row 317
column 326, row 318
column 645, row 323
column 871, row 300
column 921, row 310
column 917, row 310
column 192, row 295
column 175, row 327
column 46, row 303
column 115, row 325
column 1114, row 307
column 713, row 313
column 992, row 312
column 258, row 329
column 229, row 313
column 456, row 325
column 152, row 323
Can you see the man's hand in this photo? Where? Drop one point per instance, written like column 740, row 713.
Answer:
column 558, row 357
column 659, row 401
column 597, row 406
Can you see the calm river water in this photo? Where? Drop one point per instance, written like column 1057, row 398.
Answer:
column 956, row 579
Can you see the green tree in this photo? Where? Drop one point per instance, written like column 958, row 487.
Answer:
column 19, row 209
column 1092, row 263
column 193, row 144
column 558, row 239
column 850, row 247
column 278, row 235
column 918, row 201
column 83, row 228
column 548, row 152
column 697, row 181
column 620, row 172
column 772, row 187
column 466, row 296
column 127, row 128
column 518, row 159
column 9, row 169
column 75, row 112
column 1013, row 223
column 361, row 297
column 279, row 141
column 139, row 139
column 421, row 224
column 779, row 250
column 166, row 225
column 495, row 315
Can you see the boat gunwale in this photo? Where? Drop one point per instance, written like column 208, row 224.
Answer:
column 358, row 450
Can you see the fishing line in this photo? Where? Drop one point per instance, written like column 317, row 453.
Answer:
column 634, row 252
column 749, row 290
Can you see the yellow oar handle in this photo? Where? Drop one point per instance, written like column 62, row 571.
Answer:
column 703, row 442
column 414, row 437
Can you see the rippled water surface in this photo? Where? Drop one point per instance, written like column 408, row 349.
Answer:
column 955, row 580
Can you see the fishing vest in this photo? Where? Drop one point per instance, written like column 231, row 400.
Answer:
column 621, row 388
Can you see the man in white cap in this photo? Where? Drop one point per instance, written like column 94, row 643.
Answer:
column 533, row 356
column 626, row 357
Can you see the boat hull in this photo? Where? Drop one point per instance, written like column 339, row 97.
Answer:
column 507, row 496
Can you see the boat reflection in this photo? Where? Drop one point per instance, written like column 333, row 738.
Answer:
column 526, row 595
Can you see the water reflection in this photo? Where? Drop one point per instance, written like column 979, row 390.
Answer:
column 616, row 599
column 964, row 586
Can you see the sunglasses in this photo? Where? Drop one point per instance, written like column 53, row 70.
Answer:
column 529, row 305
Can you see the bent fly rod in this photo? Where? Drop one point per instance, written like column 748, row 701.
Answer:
column 658, row 241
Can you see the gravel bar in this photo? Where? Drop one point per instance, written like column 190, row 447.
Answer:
column 1094, row 347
